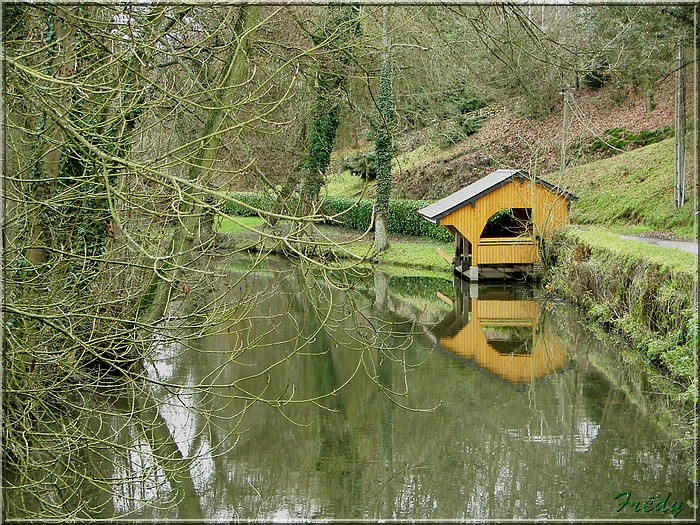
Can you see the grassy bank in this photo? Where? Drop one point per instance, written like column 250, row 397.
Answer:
column 413, row 255
column 632, row 192
column 644, row 292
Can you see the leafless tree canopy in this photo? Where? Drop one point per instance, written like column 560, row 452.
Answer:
column 126, row 128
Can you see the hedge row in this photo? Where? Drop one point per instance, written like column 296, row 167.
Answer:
column 259, row 201
column 402, row 217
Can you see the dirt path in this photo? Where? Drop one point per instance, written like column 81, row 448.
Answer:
column 680, row 245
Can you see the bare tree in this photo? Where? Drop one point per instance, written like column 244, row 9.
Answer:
column 116, row 118
column 383, row 141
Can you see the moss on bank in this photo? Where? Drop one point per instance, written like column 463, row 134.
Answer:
column 646, row 293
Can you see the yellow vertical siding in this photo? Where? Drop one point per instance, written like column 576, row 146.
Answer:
column 549, row 210
column 502, row 251
column 547, row 354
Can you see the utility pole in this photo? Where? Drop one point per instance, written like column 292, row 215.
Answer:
column 696, row 109
column 564, row 131
column 696, row 83
column 696, row 132
column 679, row 187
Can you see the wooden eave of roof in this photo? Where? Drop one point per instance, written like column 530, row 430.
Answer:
column 476, row 190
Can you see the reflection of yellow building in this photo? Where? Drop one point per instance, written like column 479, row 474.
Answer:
column 504, row 337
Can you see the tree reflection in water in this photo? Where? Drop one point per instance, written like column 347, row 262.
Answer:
column 153, row 446
column 316, row 399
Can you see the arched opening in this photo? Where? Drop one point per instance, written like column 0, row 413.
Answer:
column 509, row 222
column 509, row 340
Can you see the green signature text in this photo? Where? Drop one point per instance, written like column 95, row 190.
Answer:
column 651, row 505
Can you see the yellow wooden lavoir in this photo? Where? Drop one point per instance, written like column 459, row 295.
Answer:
column 531, row 208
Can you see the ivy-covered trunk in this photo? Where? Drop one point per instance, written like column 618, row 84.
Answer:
column 60, row 38
column 56, row 263
column 383, row 145
column 335, row 38
column 74, row 130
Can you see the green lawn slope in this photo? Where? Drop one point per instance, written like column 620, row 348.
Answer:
column 632, row 192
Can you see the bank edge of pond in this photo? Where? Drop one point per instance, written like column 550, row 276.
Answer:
column 406, row 256
column 645, row 293
column 631, row 374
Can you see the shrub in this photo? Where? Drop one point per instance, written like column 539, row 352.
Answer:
column 471, row 124
column 624, row 139
column 351, row 213
column 468, row 104
column 402, row 217
column 597, row 75
column 453, row 134
column 458, row 129
column 423, row 109
column 361, row 164
column 256, row 200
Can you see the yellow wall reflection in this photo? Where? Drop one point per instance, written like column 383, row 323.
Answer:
column 501, row 333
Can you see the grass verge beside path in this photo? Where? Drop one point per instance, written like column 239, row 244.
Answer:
column 671, row 257
column 632, row 191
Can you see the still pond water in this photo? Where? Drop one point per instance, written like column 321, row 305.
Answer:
column 403, row 398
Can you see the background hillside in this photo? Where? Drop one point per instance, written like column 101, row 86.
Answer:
column 619, row 181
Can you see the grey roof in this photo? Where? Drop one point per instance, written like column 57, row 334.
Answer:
column 470, row 194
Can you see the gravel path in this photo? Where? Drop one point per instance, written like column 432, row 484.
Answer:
column 691, row 247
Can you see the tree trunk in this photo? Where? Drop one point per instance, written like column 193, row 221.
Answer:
column 383, row 142
column 171, row 272
column 564, row 131
column 63, row 66
column 649, row 99
column 341, row 25
column 381, row 241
